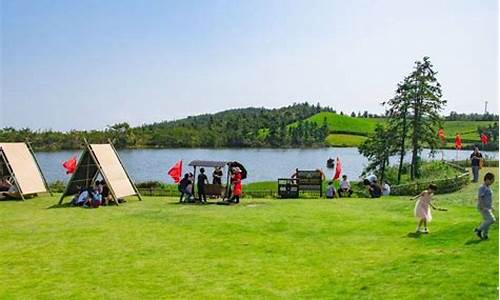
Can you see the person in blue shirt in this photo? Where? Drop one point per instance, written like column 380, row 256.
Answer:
column 330, row 191
column 485, row 206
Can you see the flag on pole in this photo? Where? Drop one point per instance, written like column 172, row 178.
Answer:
column 484, row 138
column 338, row 170
column 441, row 135
column 176, row 171
column 458, row 142
column 70, row 165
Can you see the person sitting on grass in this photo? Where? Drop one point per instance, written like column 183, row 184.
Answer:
column 4, row 185
column 485, row 206
column 345, row 187
column 330, row 191
column 423, row 208
column 12, row 193
column 81, row 197
column 386, row 189
column 105, row 194
column 94, row 199
column 373, row 188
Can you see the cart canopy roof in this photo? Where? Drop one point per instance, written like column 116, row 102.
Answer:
column 208, row 163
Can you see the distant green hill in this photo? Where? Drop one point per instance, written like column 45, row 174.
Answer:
column 300, row 125
column 345, row 124
column 347, row 131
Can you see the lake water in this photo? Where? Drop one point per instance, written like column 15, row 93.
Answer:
column 261, row 164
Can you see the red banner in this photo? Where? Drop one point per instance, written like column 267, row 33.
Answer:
column 458, row 142
column 176, row 171
column 338, row 170
column 70, row 165
column 484, row 139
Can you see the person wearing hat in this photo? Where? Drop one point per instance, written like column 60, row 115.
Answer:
column 236, row 185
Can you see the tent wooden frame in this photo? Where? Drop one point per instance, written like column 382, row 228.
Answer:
column 5, row 161
column 89, row 161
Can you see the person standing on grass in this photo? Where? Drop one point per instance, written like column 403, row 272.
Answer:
column 217, row 176
column 475, row 162
column 236, row 188
column 183, row 187
column 202, row 180
column 423, row 208
column 485, row 206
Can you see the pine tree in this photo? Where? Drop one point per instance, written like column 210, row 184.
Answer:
column 377, row 149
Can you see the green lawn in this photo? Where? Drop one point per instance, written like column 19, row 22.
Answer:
column 345, row 140
column 467, row 129
column 346, row 130
column 340, row 249
column 345, row 124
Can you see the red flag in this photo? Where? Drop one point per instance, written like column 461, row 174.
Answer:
column 338, row 170
column 458, row 142
column 441, row 135
column 484, row 139
column 176, row 171
column 70, row 165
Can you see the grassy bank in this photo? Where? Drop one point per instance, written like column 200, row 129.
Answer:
column 343, row 249
column 348, row 131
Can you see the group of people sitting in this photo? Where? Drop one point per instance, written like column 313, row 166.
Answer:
column 374, row 189
column 186, row 185
column 344, row 190
column 8, row 190
column 94, row 196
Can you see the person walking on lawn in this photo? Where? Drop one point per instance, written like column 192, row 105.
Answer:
column 485, row 206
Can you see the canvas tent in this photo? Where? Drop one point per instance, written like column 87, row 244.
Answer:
column 101, row 159
column 18, row 163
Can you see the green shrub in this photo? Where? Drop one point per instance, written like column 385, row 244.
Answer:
column 57, row 186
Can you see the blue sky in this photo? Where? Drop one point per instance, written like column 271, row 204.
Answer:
column 87, row 64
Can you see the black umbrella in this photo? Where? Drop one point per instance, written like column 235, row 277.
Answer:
column 242, row 168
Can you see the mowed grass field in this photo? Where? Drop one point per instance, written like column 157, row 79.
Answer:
column 261, row 249
column 347, row 131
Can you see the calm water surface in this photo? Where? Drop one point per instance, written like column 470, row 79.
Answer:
column 262, row 164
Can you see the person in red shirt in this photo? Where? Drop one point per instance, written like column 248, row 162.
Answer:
column 236, row 185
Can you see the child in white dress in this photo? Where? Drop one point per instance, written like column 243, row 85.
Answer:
column 423, row 208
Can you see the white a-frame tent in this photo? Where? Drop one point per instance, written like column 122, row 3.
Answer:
column 19, row 165
column 104, row 160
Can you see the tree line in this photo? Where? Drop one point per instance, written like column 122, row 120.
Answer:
column 246, row 127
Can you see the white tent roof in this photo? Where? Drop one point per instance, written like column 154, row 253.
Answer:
column 113, row 170
column 24, row 168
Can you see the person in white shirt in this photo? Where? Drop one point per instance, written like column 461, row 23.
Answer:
column 345, row 187
column 386, row 189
